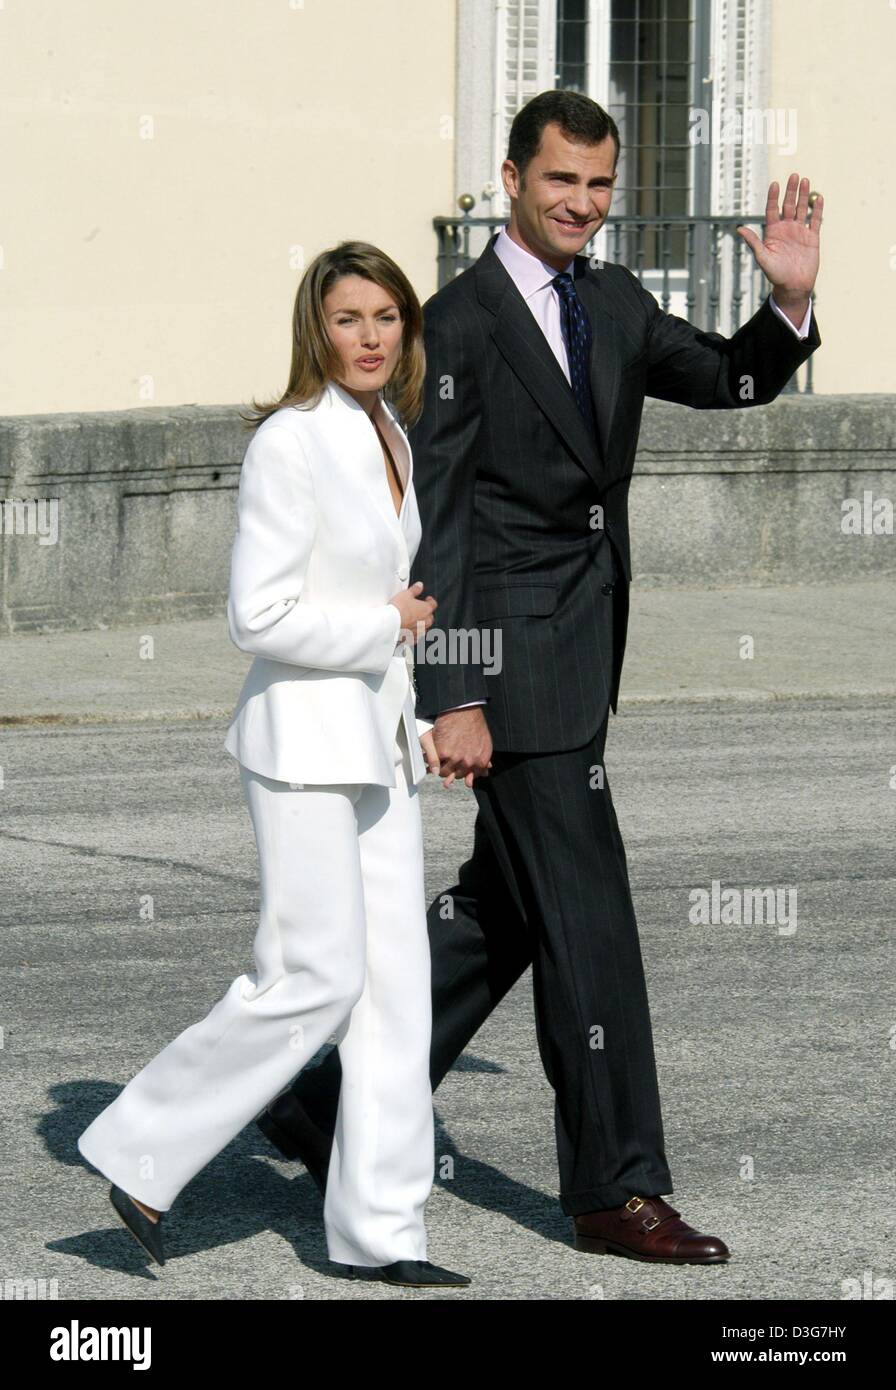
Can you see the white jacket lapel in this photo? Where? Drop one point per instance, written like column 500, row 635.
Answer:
column 365, row 454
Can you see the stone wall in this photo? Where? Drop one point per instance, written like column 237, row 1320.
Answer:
column 145, row 504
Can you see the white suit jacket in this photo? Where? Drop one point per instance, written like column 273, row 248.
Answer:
column 318, row 553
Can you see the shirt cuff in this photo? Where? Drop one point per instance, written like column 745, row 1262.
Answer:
column 803, row 330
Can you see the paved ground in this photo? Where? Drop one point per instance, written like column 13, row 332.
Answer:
column 775, row 1049
column 818, row 640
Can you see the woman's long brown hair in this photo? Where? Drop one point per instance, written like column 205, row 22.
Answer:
column 315, row 360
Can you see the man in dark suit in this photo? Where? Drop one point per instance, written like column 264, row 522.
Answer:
column 538, row 363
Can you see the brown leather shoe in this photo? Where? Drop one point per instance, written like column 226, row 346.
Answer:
column 647, row 1228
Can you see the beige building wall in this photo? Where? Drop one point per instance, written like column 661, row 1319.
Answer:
column 833, row 64
column 168, row 165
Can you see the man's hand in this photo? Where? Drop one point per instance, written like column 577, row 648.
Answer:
column 463, row 744
column 788, row 251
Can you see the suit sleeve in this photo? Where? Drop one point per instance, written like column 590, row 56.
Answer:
column 445, row 442
column 423, row 725
column 276, row 525
column 710, row 372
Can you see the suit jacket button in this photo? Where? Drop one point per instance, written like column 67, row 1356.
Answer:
column 606, row 588
column 403, row 573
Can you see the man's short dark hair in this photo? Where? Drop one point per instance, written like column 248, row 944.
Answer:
column 578, row 117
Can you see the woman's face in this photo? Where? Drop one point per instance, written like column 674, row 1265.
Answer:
column 365, row 327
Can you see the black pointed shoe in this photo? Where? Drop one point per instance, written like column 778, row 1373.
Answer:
column 418, row 1274
column 147, row 1232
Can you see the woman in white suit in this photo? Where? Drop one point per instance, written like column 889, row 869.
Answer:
column 330, row 760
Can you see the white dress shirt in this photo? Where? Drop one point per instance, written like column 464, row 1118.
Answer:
column 533, row 278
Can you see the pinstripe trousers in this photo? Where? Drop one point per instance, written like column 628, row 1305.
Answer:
column 548, row 885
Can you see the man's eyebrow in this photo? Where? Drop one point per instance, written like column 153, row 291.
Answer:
column 569, row 177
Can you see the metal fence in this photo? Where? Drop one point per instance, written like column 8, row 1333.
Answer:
column 695, row 266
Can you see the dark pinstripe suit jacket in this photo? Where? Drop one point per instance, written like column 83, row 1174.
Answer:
column 508, row 476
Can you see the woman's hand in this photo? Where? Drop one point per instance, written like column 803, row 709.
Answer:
column 428, row 744
column 416, row 612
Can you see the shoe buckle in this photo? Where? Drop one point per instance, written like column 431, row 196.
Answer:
column 650, row 1222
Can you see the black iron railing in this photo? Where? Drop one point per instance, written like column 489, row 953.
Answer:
column 697, row 267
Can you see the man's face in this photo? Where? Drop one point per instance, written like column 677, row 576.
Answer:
column 564, row 197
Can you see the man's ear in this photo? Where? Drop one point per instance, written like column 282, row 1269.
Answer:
column 510, row 178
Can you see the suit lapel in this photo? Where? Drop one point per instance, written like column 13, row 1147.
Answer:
column 398, row 443
column 605, row 349
column 366, row 456
column 404, row 461
column 524, row 346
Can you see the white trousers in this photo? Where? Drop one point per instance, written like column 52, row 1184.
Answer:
column 341, row 948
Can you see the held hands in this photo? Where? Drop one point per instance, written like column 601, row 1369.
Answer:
column 788, row 252
column 464, row 743
column 459, row 745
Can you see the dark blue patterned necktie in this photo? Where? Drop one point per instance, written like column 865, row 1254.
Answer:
column 576, row 329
